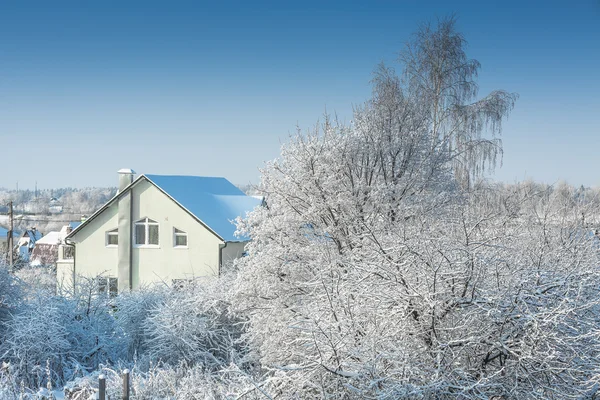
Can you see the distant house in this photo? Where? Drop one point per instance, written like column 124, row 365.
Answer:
column 159, row 228
column 75, row 224
column 23, row 241
column 45, row 251
column 26, row 243
column 55, row 206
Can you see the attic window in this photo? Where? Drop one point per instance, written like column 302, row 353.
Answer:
column 112, row 238
column 180, row 238
column 146, row 232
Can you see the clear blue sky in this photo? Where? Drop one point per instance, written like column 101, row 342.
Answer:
column 213, row 88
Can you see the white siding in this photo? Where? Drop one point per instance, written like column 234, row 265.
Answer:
column 92, row 257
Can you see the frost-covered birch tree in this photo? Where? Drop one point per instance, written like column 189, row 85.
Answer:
column 441, row 79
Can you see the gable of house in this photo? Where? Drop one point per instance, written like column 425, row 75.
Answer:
column 171, row 212
column 213, row 201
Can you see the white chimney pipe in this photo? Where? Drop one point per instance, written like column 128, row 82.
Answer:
column 125, row 178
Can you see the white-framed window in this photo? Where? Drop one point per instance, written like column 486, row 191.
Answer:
column 145, row 233
column 107, row 286
column 112, row 238
column 180, row 238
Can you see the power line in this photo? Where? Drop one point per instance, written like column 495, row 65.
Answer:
column 10, row 236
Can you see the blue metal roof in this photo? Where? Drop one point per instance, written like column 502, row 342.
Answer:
column 214, row 201
column 74, row 224
column 4, row 233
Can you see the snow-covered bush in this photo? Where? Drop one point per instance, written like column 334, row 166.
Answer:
column 132, row 310
column 74, row 335
column 57, row 340
column 174, row 382
column 35, row 278
column 11, row 296
column 36, row 334
column 194, row 325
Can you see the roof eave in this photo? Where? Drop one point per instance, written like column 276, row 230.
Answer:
column 78, row 229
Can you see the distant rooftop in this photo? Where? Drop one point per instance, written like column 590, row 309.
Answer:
column 74, row 224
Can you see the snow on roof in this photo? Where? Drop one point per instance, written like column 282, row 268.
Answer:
column 52, row 238
column 214, row 201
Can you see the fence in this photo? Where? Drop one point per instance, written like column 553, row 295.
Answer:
column 101, row 395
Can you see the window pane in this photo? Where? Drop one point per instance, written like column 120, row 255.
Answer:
column 140, row 234
column 68, row 252
column 101, row 284
column 180, row 240
column 153, row 234
column 112, row 287
column 113, row 238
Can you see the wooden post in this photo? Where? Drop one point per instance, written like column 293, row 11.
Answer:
column 10, row 235
column 101, row 387
column 126, row 384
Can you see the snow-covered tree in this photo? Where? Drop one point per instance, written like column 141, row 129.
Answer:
column 381, row 267
column 440, row 78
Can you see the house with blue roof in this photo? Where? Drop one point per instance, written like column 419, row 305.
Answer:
column 23, row 241
column 158, row 228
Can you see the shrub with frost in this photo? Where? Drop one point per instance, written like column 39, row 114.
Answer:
column 73, row 335
column 11, row 296
column 194, row 325
column 173, row 382
column 132, row 310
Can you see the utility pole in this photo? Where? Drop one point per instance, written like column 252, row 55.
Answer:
column 10, row 235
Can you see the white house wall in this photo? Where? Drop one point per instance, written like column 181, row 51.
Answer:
column 92, row 257
column 232, row 251
column 153, row 264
